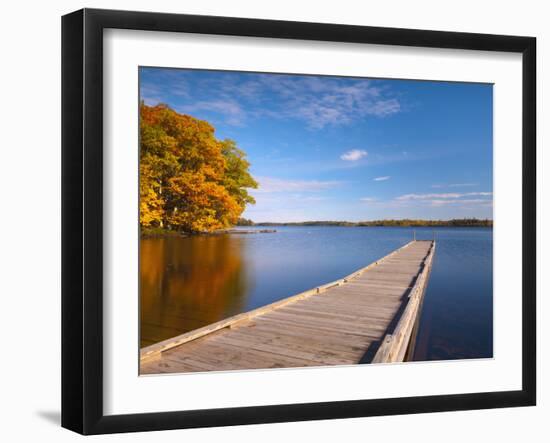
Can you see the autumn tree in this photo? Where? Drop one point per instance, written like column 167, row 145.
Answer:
column 236, row 177
column 189, row 180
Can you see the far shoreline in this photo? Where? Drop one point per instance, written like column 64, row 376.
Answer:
column 401, row 223
column 405, row 223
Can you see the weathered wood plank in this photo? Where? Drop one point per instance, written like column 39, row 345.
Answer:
column 327, row 337
column 300, row 341
column 395, row 344
column 342, row 313
column 324, row 325
column 303, row 353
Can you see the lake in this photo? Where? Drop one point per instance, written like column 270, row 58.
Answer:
column 190, row 282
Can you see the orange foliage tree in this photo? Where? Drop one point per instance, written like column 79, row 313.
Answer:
column 189, row 180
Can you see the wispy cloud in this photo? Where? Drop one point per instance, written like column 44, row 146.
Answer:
column 271, row 184
column 385, row 107
column 427, row 196
column 422, row 202
column 454, row 185
column 381, row 179
column 455, row 199
column 477, row 201
column 156, row 92
column 446, row 196
column 461, row 185
column 330, row 101
column 316, row 101
column 368, row 199
column 353, row 155
column 232, row 111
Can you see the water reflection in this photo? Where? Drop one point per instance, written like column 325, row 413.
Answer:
column 189, row 282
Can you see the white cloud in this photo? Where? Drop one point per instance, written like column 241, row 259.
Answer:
column 441, row 202
column 385, row 107
column 381, row 179
column 354, row 155
column 477, row 201
column 320, row 101
column 368, row 199
column 271, row 184
column 233, row 112
column 154, row 92
column 453, row 201
column 427, row 196
column 454, row 185
column 461, row 185
column 442, row 197
column 314, row 100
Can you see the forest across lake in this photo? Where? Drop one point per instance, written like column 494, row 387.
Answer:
column 461, row 222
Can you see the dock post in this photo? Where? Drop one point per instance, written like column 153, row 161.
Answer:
column 414, row 234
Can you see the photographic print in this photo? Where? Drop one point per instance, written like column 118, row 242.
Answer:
column 311, row 227
column 291, row 221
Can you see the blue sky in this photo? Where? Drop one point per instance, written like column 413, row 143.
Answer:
column 342, row 148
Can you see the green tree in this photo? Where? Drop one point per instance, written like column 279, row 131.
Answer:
column 237, row 180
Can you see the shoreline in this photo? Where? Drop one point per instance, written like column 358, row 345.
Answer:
column 156, row 233
column 261, row 228
column 244, row 230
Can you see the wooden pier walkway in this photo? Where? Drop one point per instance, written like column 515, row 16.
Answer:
column 369, row 316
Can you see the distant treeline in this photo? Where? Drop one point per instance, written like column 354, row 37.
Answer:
column 458, row 222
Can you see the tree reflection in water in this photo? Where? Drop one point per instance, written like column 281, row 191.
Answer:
column 189, row 282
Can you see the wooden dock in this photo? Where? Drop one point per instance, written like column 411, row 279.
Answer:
column 370, row 316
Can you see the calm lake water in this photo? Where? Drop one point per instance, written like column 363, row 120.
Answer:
column 189, row 282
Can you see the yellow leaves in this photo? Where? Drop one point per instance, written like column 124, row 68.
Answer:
column 189, row 180
column 200, row 204
column 151, row 203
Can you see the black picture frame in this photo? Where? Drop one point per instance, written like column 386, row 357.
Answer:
column 82, row 220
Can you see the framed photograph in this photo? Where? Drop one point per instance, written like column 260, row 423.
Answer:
column 269, row 221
